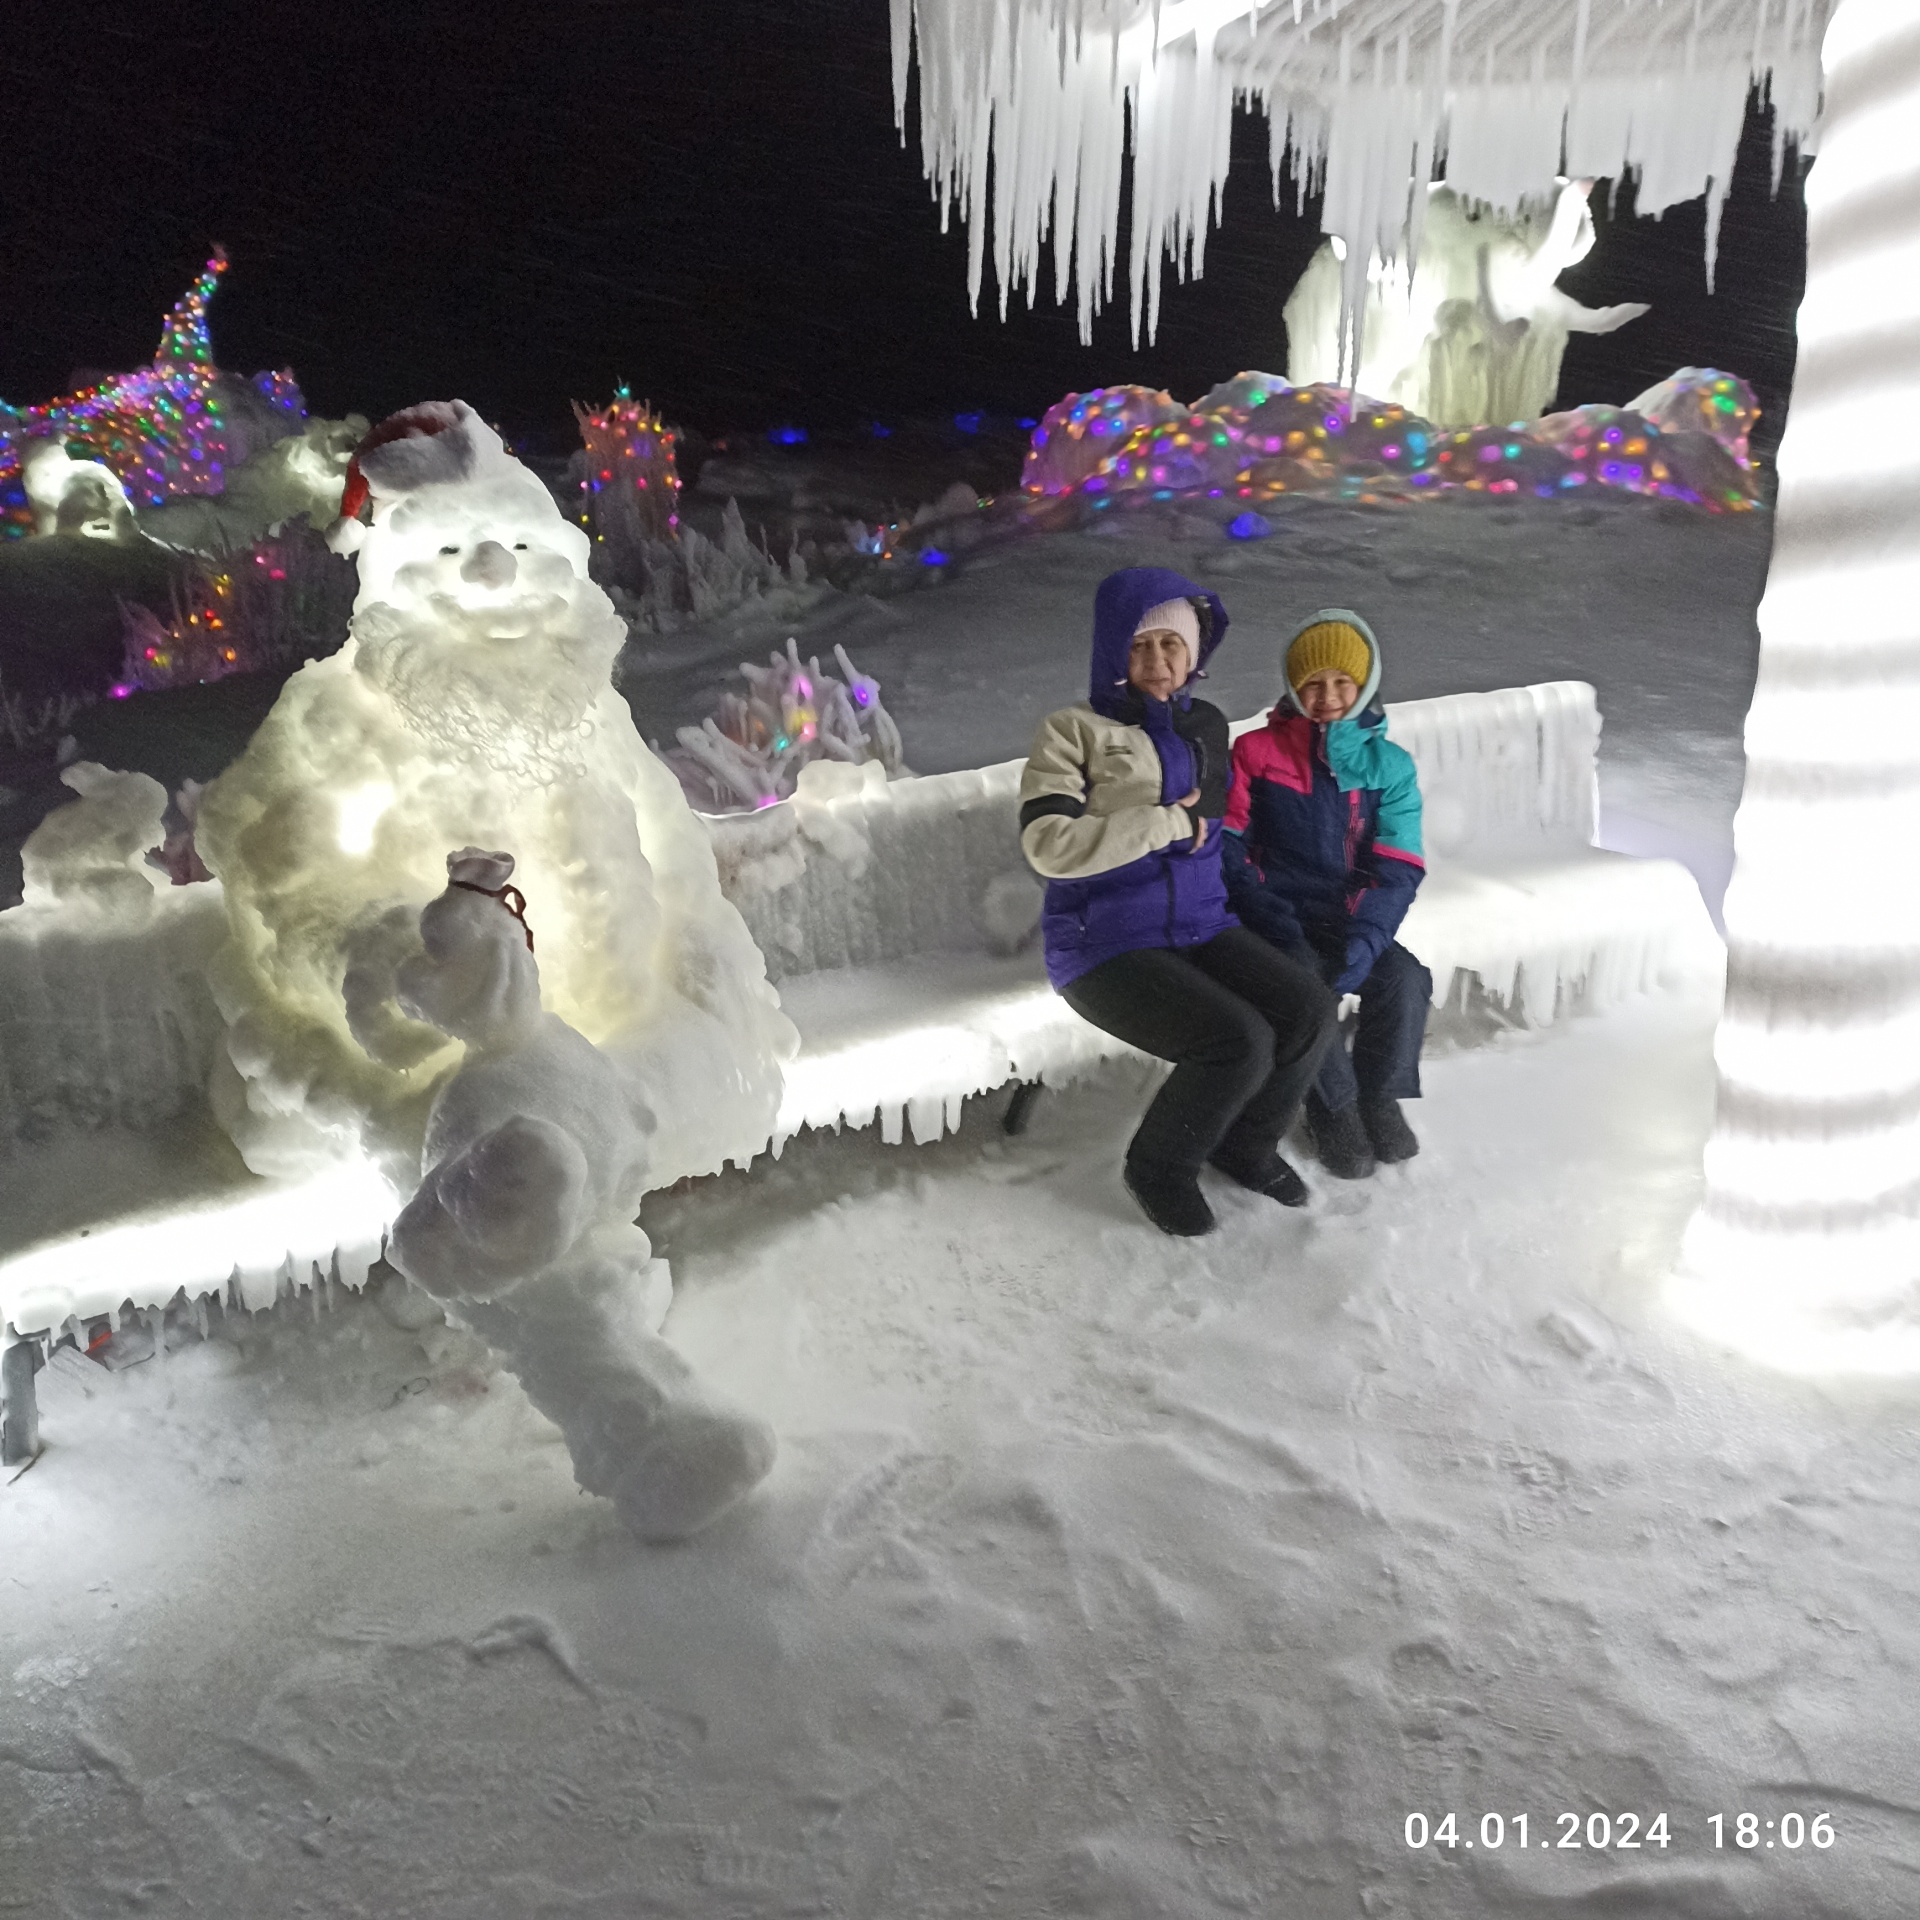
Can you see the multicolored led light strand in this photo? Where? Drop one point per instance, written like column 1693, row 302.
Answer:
column 1254, row 438
column 163, row 429
column 632, row 484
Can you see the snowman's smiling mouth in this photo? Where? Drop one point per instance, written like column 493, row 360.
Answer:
column 508, row 615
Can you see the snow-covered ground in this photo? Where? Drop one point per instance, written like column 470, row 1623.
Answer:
column 1101, row 1573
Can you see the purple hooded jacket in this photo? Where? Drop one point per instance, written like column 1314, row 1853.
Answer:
column 1177, row 896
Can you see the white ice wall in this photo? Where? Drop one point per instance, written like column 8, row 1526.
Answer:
column 105, row 1020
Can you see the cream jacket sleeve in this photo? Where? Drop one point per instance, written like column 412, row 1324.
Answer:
column 1090, row 798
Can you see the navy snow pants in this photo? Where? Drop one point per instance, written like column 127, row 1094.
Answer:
column 1385, row 1061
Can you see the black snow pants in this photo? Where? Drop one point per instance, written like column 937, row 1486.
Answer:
column 1387, row 1036
column 1245, row 1027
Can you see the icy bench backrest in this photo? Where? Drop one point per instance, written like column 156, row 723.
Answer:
column 1511, row 769
column 895, row 871
column 890, row 872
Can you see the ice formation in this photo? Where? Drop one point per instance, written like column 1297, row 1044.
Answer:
column 1253, row 437
column 1807, row 1246
column 537, row 1153
column 1475, row 331
column 1029, row 107
column 173, row 428
column 93, row 852
column 754, row 750
column 471, row 705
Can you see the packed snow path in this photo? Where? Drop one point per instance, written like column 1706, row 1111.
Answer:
column 1100, row 1573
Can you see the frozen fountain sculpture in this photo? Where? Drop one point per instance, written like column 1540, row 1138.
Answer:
column 1474, row 332
column 470, row 706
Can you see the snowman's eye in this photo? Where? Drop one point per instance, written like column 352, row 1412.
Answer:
column 519, row 546
column 449, row 549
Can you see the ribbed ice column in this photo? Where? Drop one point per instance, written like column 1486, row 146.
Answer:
column 1806, row 1250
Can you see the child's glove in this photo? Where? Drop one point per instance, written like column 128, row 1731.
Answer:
column 1360, row 958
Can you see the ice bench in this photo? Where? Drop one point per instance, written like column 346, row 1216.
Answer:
column 885, row 911
column 886, row 914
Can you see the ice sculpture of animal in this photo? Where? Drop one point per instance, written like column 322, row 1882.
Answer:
column 537, row 1152
column 82, row 497
column 1476, row 333
column 471, row 705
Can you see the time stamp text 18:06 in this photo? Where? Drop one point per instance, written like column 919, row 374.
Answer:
column 1618, row 1832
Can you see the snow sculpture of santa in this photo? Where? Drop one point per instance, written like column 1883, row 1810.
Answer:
column 471, row 705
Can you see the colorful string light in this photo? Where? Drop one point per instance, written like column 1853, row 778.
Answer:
column 1256, row 437
column 163, row 429
column 632, row 486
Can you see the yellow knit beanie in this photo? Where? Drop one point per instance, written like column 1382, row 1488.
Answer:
column 1329, row 645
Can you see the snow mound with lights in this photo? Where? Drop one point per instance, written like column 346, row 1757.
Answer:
column 1254, row 438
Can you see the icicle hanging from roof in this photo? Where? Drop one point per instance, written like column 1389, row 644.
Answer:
column 1043, row 98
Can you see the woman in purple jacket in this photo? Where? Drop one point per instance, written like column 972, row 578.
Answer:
column 1120, row 809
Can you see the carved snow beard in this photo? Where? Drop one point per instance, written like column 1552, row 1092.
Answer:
column 518, row 703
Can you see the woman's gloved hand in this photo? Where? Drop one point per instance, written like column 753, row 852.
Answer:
column 1191, row 802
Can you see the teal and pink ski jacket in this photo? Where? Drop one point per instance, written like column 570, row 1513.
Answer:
column 1322, row 848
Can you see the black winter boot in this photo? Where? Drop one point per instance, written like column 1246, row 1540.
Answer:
column 1169, row 1196
column 1268, row 1174
column 1387, row 1128
column 1340, row 1140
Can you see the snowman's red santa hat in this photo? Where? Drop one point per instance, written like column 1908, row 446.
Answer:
column 435, row 443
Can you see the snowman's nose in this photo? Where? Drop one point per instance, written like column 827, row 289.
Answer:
column 489, row 565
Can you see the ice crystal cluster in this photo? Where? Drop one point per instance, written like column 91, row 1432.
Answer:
column 751, row 753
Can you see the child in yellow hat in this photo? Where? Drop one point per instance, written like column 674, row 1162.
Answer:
column 1322, row 854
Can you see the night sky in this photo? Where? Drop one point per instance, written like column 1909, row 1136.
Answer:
column 523, row 204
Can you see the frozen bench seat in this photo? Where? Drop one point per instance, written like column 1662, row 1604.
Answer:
column 891, row 919
column 886, row 912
